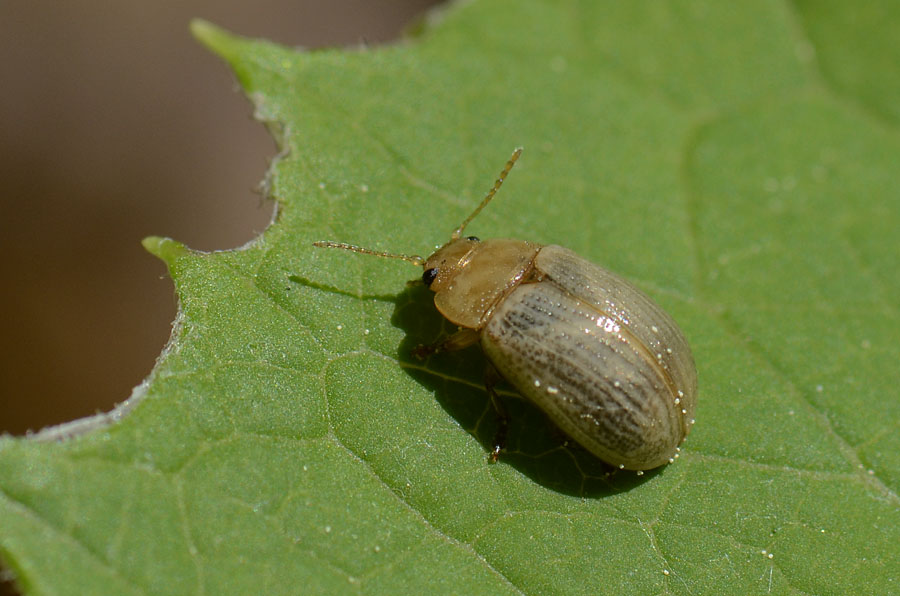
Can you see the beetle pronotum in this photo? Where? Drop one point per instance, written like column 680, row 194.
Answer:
column 599, row 357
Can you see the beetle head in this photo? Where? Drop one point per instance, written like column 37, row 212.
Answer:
column 447, row 262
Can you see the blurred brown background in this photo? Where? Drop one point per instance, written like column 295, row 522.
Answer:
column 114, row 125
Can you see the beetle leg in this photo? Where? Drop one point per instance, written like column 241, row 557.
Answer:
column 491, row 378
column 463, row 338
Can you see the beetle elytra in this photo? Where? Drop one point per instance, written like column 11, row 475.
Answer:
column 597, row 355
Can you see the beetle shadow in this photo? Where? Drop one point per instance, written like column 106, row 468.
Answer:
column 534, row 445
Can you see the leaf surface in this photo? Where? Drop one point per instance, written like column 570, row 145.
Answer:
column 737, row 161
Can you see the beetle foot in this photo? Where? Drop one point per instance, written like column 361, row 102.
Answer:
column 421, row 351
column 494, row 457
column 499, row 438
column 491, row 378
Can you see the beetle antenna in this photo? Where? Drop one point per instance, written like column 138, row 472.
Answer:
column 457, row 234
column 414, row 259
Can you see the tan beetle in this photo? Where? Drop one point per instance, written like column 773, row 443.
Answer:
column 599, row 357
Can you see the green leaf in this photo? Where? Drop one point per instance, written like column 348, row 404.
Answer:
column 736, row 160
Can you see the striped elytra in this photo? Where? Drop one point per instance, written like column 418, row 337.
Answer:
column 597, row 355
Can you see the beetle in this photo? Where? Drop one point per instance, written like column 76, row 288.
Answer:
column 605, row 363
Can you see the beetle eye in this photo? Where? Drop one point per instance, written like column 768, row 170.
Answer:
column 474, row 238
column 429, row 275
